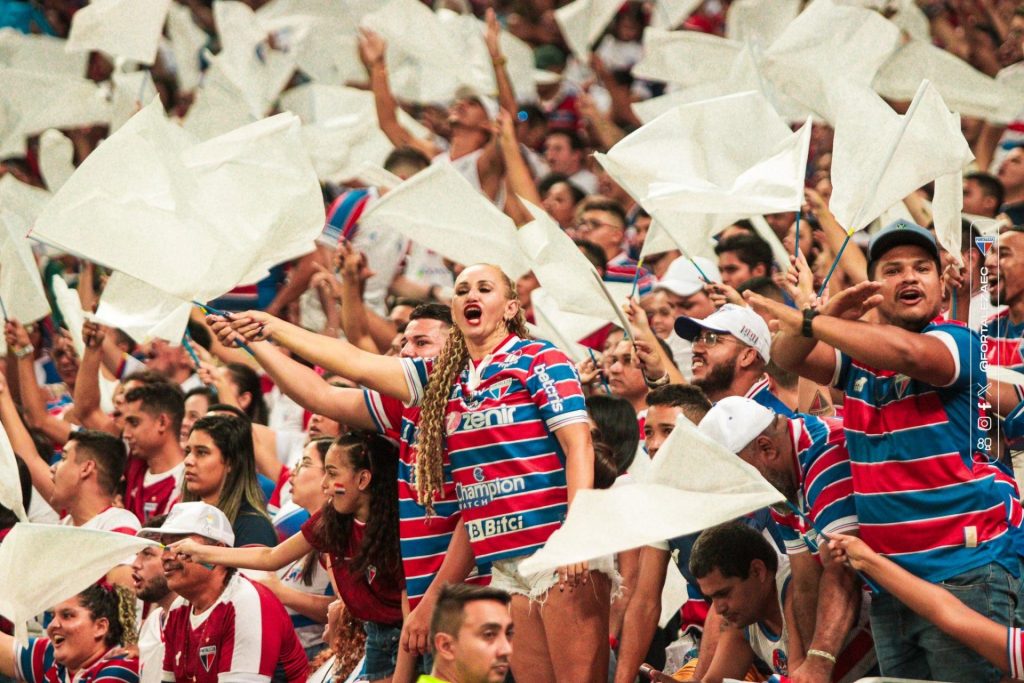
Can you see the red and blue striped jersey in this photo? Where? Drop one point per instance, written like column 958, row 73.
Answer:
column 34, row 663
column 423, row 538
column 1005, row 341
column 926, row 496
column 824, row 483
column 761, row 392
column 624, row 269
column 507, row 465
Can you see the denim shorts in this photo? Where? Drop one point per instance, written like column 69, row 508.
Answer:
column 381, row 650
column 505, row 575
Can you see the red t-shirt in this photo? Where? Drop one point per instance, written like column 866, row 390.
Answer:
column 154, row 497
column 371, row 595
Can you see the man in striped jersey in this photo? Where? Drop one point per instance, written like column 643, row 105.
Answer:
column 805, row 458
column 926, row 494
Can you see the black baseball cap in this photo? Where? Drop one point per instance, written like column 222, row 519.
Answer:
column 897, row 234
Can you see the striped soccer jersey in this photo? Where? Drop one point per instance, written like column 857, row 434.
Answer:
column 34, row 663
column 623, row 269
column 424, row 538
column 245, row 635
column 825, row 487
column 507, row 465
column 925, row 496
column 1005, row 341
column 760, row 392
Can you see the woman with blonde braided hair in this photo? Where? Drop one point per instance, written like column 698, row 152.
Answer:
column 510, row 414
column 84, row 641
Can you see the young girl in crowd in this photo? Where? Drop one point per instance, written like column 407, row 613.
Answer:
column 358, row 529
column 510, row 412
column 84, row 641
column 304, row 586
column 220, row 469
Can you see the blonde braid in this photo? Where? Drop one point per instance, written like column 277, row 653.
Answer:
column 126, row 615
column 430, row 440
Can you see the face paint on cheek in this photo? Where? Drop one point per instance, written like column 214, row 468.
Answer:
column 339, row 489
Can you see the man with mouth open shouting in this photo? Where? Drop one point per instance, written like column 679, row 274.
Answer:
column 223, row 627
column 925, row 490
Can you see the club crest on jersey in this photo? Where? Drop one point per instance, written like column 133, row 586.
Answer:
column 371, row 573
column 207, row 653
column 901, row 383
column 860, row 384
column 984, row 243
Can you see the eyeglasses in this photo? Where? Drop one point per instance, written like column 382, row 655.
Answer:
column 585, row 225
column 304, row 463
column 709, row 339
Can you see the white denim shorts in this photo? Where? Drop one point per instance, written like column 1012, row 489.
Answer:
column 505, row 575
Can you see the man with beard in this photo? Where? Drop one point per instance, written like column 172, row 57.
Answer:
column 730, row 354
column 926, row 493
column 222, row 626
column 805, row 458
column 151, row 588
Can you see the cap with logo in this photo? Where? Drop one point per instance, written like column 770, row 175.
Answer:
column 683, row 278
column 736, row 421
column 897, row 234
column 739, row 321
column 199, row 518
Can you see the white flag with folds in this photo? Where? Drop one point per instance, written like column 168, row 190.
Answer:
column 879, row 156
column 10, row 479
column 120, row 28
column 142, row 311
column 70, row 308
column 826, row 47
column 50, row 545
column 699, row 167
column 35, row 52
column 193, row 219
column 27, row 106
column 965, row 89
column 21, row 288
column 692, row 484
column 438, row 209
column 583, row 21
column 562, row 270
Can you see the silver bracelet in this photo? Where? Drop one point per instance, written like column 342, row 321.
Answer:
column 24, row 351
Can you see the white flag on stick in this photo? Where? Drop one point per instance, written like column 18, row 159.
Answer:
column 120, row 28
column 50, row 546
column 908, row 151
column 192, row 219
column 461, row 224
column 693, row 484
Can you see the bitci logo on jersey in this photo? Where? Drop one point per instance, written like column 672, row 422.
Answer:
column 207, row 654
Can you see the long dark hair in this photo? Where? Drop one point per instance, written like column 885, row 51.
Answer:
column 248, row 382
column 233, row 437
column 116, row 604
column 367, row 450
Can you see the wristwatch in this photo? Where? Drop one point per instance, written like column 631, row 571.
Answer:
column 24, row 351
column 655, row 383
column 809, row 315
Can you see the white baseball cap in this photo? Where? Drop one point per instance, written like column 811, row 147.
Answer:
column 197, row 518
column 683, row 278
column 739, row 321
column 735, row 421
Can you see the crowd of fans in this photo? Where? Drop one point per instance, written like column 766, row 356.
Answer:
column 347, row 463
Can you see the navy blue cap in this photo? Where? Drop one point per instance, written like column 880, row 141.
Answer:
column 899, row 233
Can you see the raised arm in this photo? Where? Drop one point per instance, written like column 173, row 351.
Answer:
column 361, row 326
column 22, row 443
column 517, row 172
column 382, row 373
column 87, row 382
column 372, row 50
column 252, row 557
column 492, row 37
column 931, row 601
column 310, row 391
column 32, row 397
